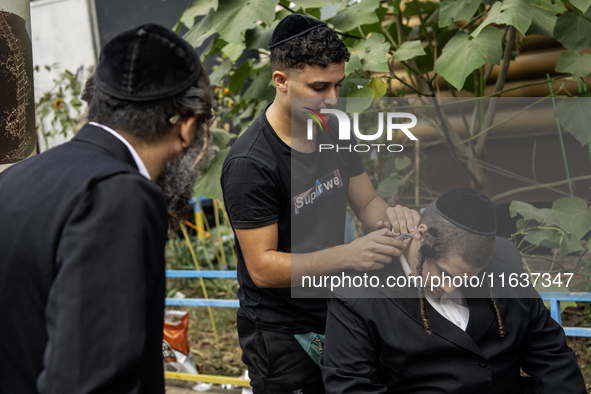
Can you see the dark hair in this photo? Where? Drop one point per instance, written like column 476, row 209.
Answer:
column 150, row 120
column 321, row 47
column 443, row 238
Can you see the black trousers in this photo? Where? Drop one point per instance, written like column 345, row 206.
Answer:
column 276, row 362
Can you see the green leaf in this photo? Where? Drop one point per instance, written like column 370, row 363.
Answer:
column 362, row 13
column 259, row 36
column 582, row 5
column 197, row 35
column 388, row 187
column 408, row 50
column 379, row 87
column 350, row 84
column 372, row 53
column 542, row 22
column 353, row 64
column 574, row 114
column 221, row 138
column 527, row 211
column 234, row 16
column 198, row 8
column 233, row 51
column 220, row 72
column 314, row 3
column 208, row 184
column 554, row 6
column 573, row 215
column 401, row 163
column 259, row 88
column 579, row 66
column 464, row 54
column 456, row 10
column 360, row 99
column 573, row 30
column 239, row 77
column 516, row 13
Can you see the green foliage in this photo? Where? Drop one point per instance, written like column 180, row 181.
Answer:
column 391, row 54
column 575, row 115
column 58, row 110
column 561, row 227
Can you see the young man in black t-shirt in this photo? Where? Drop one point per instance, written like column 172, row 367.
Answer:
column 275, row 185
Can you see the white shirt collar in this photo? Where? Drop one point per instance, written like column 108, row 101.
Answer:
column 453, row 307
column 138, row 161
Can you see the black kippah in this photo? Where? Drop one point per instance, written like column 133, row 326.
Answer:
column 468, row 209
column 149, row 62
column 292, row 26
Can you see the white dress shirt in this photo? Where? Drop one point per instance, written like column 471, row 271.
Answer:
column 453, row 306
column 138, row 161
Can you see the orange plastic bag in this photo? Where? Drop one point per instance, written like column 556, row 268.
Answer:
column 175, row 344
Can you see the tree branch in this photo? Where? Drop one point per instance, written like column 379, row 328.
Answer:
column 492, row 107
column 508, row 193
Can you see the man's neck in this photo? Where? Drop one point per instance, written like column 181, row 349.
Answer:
column 281, row 122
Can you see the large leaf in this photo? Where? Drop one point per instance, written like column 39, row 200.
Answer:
column 198, row 8
column 516, row 13
column 220, row 72
column 573, row 30
column 260, row 88
column 362, row 13
column 200, row 32
column 408, row 50
column 554, row 6
column 208, row 184
column 582, row 5
column 314, row 3
column 353, row 64
column 388, row 187
column 579, row 66
column 575, row 115
column 456, row 10
column 542, row 22
column 464, row 54
column 233, row 51
column 239, row 77
column 527, row 211
column 372, row 53
column 221, row 138
column 379, row 87
column 359, row 100
column 573, row 215
column 259, row 36
column 234, row 16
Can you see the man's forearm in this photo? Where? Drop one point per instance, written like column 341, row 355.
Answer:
column 286, row 269
column 374, row 212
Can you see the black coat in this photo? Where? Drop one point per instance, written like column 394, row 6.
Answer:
column 380, row 345
column 82, row 237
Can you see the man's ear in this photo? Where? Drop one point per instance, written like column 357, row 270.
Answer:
column 186, row 131
column 419, row 234
column 280, row 79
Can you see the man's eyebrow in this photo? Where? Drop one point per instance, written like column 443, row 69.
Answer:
column 325, row 82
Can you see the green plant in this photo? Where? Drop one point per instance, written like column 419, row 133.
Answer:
column 58, row 110
column 455, row 41
column 565, row 228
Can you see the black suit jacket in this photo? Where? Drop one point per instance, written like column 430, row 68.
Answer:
column 82, row 237
column 380, row 345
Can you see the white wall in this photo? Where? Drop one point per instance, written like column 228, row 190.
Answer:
column 63, row 32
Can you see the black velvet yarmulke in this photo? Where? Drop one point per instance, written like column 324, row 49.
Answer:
column 149, row 62
column 292, row 26
column 468, row 209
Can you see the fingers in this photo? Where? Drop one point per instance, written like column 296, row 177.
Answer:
column 403, row 219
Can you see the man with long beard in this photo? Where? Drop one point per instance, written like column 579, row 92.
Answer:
column 83, row 225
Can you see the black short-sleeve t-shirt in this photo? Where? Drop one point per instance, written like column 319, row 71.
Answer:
column 264, row 181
